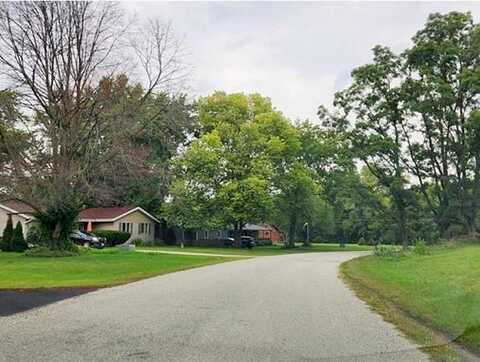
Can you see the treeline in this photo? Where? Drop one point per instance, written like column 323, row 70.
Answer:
column 396, row 157
column 412, row 119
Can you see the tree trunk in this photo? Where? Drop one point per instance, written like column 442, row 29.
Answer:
column 237, row 234
column 292, row 231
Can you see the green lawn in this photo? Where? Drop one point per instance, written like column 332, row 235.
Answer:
column 96, row 268
column 441, row 290
column 263, row 250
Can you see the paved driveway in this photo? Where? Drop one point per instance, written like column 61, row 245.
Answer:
column 279, row 308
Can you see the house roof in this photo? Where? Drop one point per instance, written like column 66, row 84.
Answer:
column 110, row 214
column 17, row 207
column 103, row 212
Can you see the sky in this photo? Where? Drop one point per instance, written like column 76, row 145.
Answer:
column 297, row 53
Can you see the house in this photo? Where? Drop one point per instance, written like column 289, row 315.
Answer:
column 19, row 212
column 134, row 220
column 262, row 232
column 139, row 223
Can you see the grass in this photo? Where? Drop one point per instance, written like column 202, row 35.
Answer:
column 263, row 250
column 440, row 291
column 93, row 269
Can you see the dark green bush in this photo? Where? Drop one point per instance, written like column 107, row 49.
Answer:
column 35, row 236
column 17, row 242
column 5, row 245
column 113, row 237
column 43, row 251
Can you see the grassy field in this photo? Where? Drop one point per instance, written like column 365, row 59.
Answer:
column 96, row 268
column 441, row 290
column 263, row 250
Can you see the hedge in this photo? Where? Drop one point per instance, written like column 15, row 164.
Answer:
column 113, row 237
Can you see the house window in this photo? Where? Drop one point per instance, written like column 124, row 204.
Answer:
column 126, row 227
column 144, row 228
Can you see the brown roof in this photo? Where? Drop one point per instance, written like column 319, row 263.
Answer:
column 103, row 213
column 18, row 206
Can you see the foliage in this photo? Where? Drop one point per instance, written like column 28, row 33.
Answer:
column 113, row 237
column 5, row 244
column 420, row 247
column 56, row 223
column 45, row 252
column 17, row 242
column 227, row 176
column 76, row 131
column 296, row 201
column 389, row 251
column 35, row 236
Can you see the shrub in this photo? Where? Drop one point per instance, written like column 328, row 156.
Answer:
column 7, row 236
column 140, row 242
column 389, row 251
column 420, row 247
column 113, row 237
column 35, row 236
column 17, row 242
column 43, row 251
column 363, row 241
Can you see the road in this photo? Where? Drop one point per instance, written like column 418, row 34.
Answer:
column 278, row 308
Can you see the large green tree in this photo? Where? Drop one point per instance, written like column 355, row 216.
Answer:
column 373, row 107
column 228, row 175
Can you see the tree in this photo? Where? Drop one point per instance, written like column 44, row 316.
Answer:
column 54, row 54
column 227, row 175
column 373, row 105
column 7, row 236
column 295, row 202
column 17, row 242
column 441, row 91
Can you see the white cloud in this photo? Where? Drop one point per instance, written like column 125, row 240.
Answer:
column 298, row 54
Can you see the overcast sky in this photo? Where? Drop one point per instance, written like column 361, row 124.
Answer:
column 298, row 54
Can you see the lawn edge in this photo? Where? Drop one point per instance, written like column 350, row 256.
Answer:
column 94, row 287
column 439, row 345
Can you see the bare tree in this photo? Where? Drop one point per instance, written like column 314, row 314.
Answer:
column 54, row 56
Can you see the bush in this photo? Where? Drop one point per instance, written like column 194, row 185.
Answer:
column 113, row 237
column 389, row 251
column 43, row 251
column 140, row 242
column 420, row 247
column 362, row 241
column 35, row 236
column 17, row 242
column 5, row 245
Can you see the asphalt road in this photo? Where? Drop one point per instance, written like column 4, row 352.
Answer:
column 279, row 308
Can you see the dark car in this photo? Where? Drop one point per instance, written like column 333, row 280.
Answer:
column 228, row 242
column 248, row 242
column 83, row 238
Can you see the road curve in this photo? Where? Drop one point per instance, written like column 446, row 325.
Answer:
column 278, row 308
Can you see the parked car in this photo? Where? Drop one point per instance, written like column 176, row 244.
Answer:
column 83, row 238
column 248, row 242
column 228, row 242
